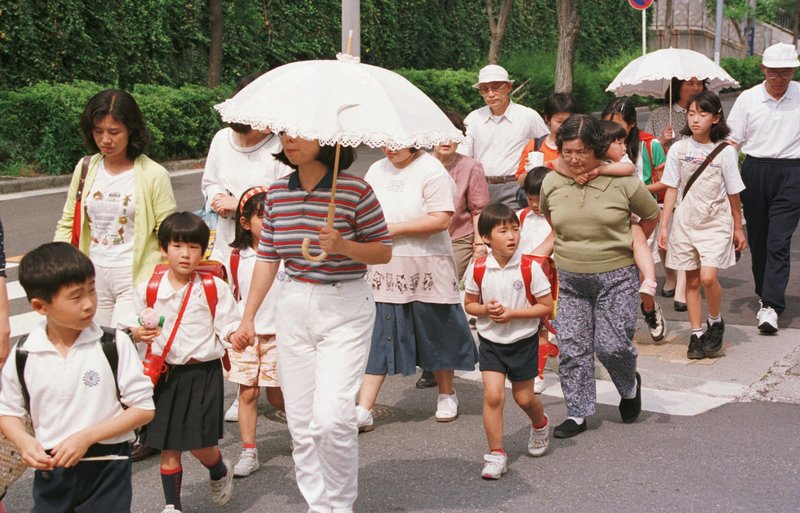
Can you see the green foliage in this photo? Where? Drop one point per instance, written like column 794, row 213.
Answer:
column 450, row 89
column 746, row 71
column 39, row 125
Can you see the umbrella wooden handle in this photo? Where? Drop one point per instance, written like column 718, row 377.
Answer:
column 309, row 256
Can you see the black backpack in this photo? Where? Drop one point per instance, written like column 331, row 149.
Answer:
column 107, row 342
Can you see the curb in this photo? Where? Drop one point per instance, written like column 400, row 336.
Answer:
column 10, row 185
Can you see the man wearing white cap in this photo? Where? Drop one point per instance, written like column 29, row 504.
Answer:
column 765, row 123
column 497, row 133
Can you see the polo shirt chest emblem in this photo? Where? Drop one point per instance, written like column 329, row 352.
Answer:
column 517, row 285
column 91, row 378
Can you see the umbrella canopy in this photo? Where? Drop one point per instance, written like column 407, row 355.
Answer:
column 341, row 101
column 651, row 74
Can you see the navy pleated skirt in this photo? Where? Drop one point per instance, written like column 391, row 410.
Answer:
column 189, row 408
column 429, row 335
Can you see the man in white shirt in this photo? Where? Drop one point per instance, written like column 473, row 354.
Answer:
column 497, row 133
column 765, row 123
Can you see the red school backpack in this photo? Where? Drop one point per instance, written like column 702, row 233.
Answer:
column 548, row 267
column 206, row 269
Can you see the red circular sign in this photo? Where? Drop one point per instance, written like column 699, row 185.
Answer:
column 640, row 4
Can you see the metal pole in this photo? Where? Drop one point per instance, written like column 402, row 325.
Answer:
column 644, row 31
column 718, row 32
column 351, row 20
column 751, row 28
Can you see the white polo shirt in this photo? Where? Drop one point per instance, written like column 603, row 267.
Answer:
column 198, row 337
column 766, row 127
column 506, row 286
column 497, row 141
column 72, row 393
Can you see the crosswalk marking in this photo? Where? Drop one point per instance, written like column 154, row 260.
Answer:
column 24, row 323
column 15, row 290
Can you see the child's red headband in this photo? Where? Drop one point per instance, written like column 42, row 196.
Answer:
column 249, row 193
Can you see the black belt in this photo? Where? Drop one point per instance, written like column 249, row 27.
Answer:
column 764, row 161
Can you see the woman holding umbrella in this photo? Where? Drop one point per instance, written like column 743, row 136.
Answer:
column 326, row 314
column 670, row 119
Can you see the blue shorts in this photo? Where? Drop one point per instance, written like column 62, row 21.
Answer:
column 519, row 361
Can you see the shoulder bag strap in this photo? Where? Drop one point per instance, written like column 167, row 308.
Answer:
column 21, row 357
column 109, row 344
column 168, row 345
column 82, row 181
column 711, row 156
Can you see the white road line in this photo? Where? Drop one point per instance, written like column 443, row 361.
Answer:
column 24, row 323
column 15, row 290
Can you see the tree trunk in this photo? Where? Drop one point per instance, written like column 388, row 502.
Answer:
column 669, row 23
column 568, row 23
column 215, row 47
column 497, row 27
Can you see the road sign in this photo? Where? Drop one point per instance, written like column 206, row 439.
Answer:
column 640, row 4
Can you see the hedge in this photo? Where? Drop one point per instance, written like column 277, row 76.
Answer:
column 39, row 125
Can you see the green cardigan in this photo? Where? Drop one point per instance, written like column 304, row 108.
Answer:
column 153, row 201
column 592, row 222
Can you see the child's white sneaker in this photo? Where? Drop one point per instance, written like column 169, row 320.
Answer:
column 539, row 385
column 496, row 464
column 232, row 415
column 446, row 407
column 222, row 488
column 169, row 508
column 540, row 439
column 247, row 464
column 364, row 420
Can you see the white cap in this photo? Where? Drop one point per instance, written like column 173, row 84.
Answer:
column 781, row 55
column 492, row 73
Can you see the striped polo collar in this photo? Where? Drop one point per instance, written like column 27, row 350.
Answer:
column 325, row 183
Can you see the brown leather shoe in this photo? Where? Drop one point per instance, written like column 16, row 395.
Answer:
column 141, row 452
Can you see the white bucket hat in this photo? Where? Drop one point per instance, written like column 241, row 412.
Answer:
column 492, row 73
column 781, row 55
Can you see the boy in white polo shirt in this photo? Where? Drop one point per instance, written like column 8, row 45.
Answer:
column 508, row 326
column 74, row 378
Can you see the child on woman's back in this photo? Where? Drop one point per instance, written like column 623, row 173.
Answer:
column 707, row 226
column 255, row 366
column 200, row 313
column 508, row 326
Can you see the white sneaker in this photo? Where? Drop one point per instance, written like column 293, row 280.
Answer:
column 495, row 466
column 222, row 488
column 446, row 408
column 247, row 464
column 232, row 415
column 364, row 420
column 540, row 439
column 767, row 319
column 170, row 509
column 539, row 385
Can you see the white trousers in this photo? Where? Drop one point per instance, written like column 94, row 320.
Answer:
column 324, row 334
column 114, row 294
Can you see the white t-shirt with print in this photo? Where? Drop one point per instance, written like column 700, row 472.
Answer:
column 692, row 151
column 111, row 212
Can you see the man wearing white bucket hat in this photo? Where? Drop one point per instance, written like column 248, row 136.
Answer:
column 498, row 132
column 765, row 123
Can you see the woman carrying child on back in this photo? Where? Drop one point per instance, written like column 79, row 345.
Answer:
column 508, row 327
column 257, row 365
column 199, row 313
column 707, row 224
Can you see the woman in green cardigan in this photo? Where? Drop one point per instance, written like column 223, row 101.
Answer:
column 126, row 195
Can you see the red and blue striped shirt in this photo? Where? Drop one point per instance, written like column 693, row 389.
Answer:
column 291, row 214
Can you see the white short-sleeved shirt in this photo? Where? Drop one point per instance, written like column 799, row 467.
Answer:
column 766, row 127
column 498, row 141
column 506, row 286
column 77, row 391
column 533, row 231
column 689, row 151
column 198, row 337
column 232, row 169
column 111, row 213
column 266, row 314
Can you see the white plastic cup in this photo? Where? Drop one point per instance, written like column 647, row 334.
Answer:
column 535, row 159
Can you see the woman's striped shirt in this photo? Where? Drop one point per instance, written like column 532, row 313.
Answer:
column 291, row 214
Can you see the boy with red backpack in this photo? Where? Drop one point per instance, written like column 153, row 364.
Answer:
column 185, row 357
column 508, row 294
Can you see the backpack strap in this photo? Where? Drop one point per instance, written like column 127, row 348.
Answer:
column 210, row 288
column 234, row 262
column 539, row 142
column 523, row 215
column 151, row 293
column 21, row 357
column 478, row 270
column 108, row 342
